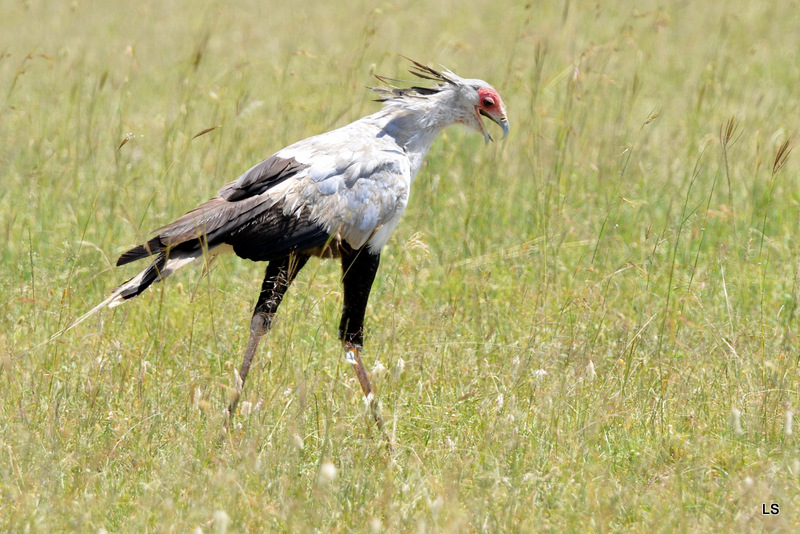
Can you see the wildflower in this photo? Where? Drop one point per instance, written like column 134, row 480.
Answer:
column 398, row 367
column 221, row 521
column 378, row 369
column 437, row 505
column 590, row 372
column 736, row 421
column 327, row 472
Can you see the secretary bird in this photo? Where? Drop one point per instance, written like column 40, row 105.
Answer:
column 337, row 194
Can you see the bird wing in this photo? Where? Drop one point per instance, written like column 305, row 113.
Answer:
column 240, row 201
column 343, row 182
column 355, row 190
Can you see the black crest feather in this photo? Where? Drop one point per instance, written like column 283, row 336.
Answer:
column 420, row 71
column 426, row 73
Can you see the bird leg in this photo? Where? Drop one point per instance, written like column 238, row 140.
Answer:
column 277, row 279
column 353, row 356
column 358, row 272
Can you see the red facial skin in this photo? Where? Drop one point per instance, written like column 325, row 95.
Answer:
column 489, row 101
column 490, row 105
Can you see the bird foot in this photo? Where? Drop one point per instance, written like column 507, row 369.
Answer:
column 235, row 394
column 353, row 356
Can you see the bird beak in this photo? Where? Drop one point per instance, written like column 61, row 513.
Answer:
column 500, row 121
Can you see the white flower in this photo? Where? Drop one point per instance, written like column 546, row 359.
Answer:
column 590, row 372
column 327, row 472
column 378, row 369
column 437, row 505
column 736, row 421
column 221, row 521
column 398, row 367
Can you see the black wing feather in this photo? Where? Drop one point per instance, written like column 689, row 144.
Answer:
column 261, row 177
column 274, row 234
column 255, row 226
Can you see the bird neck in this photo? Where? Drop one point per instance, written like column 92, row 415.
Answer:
column 415, row 122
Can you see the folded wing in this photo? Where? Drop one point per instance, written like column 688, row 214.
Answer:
column 297, row 200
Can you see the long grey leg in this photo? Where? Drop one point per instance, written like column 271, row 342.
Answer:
column 358, row 273
column 277, row 279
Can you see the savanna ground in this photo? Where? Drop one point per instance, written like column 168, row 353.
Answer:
column 591, row 325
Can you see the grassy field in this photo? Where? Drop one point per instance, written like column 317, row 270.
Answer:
column 590, row 326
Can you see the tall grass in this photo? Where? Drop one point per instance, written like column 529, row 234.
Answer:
column 591, row 325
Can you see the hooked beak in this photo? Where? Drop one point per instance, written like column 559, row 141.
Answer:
column 500, row 121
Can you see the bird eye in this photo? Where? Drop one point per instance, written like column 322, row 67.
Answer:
column 488, row 102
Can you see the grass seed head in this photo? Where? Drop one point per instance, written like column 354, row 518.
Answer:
column 378, row 369
column 221, row 521
column 736, row 421
column 590, row 372
column 327, row 473
column 781, row 156
column 398, row 367
column 727, row 132
column 297, row 441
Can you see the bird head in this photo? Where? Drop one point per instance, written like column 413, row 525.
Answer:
column 465, row 101
column 480, row 99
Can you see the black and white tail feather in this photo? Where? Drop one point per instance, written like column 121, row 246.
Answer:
column 158, row 270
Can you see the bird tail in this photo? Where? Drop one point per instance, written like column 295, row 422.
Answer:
column 159, row 269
